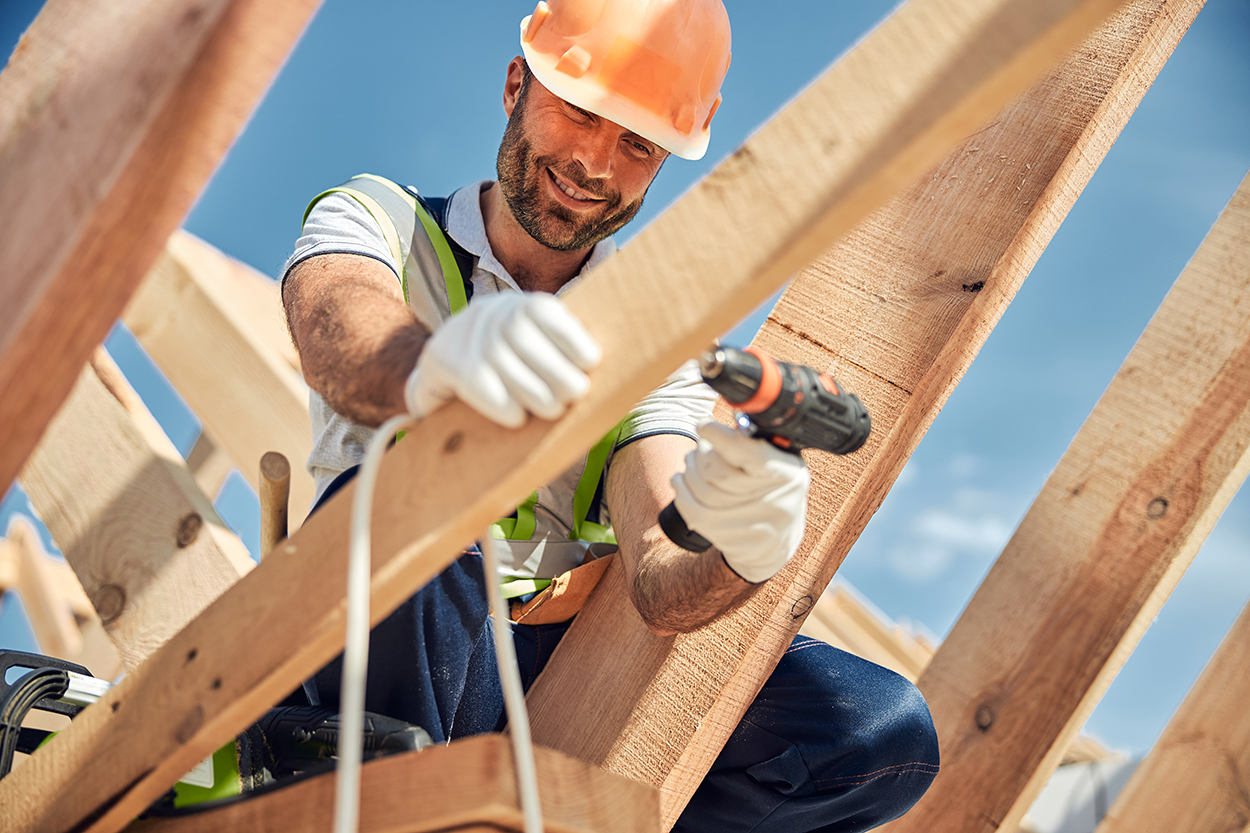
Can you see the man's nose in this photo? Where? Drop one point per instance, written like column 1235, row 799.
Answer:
column 594, row 152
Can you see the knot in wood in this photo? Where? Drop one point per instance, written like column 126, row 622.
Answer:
column 1157, row 508
column 985, row 717
column 454, row 442
column 189, row 529
column 109, row 601
column 800, row 607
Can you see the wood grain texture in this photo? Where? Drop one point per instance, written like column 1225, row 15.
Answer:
column 445, row 788
column 896, row 312
column 112, row 118
column 121, row 504
column 1197, row 777
column 1114, row 528
column 882, row 116
column 197, row 302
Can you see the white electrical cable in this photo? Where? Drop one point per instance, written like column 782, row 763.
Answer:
column 356, row 649
column 513, row 693
column 356, row 655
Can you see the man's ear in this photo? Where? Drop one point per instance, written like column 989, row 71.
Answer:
column 512, row 84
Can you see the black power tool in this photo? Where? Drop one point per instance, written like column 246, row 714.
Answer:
column 789, row 405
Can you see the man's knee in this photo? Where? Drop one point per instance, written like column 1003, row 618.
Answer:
column 872, row 739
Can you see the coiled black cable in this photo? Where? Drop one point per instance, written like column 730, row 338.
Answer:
column 18, row 700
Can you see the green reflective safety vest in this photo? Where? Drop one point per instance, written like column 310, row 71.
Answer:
column 418, row 243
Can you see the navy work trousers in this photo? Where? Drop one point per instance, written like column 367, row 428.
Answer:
column 833, row 743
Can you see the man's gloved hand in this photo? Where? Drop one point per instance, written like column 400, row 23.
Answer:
column 504, row 355
column 746, row 496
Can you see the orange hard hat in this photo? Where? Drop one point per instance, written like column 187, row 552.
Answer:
column 652, row 66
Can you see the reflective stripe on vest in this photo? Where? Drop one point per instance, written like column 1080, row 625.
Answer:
column 420, row 246
column 414, row 239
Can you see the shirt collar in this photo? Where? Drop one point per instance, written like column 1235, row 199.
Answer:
column 466, row 226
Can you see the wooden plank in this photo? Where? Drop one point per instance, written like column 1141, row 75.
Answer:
column 146, row 543
column 197, row 302
column 209, row 465
column 896, row 312
column 883, row 115
column 49, row 613
column 465, row 783
column 47, row 586
column 9, row 568
column 60, row 574
column 1100, row 550
column 1195, row 778
column 113, row 115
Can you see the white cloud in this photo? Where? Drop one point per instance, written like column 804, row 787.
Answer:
column 970, row 524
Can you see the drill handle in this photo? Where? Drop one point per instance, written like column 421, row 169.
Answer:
column 674, row 526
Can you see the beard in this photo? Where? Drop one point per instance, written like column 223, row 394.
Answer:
column 547, row 221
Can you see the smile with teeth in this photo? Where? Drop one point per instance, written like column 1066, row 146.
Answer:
column 570, row 191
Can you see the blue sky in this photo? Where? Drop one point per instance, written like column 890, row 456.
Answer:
column 411, row 89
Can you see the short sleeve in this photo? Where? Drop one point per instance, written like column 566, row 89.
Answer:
column 338, row 224
column 676, row 407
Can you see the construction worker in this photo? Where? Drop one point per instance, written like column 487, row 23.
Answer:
column 395, row 315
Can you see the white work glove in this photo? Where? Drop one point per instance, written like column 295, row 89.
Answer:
column 746, row 496
column 505, row 354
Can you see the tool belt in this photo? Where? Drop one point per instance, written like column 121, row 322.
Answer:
column 564, row 597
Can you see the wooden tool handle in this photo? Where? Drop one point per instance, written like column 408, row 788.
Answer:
column 275, row 491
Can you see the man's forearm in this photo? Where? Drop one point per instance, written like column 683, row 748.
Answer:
column 674, row 590
column 356, row 338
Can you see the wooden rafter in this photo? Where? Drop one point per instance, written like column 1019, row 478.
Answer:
column 882, row 116
column 896, row 311
column 197, row 302
column 60, row 615
column 1195, row 778
column 1100, row 550
column 117, row 497
column 114, row 115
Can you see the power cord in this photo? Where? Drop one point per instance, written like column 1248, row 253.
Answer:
column 356, row 654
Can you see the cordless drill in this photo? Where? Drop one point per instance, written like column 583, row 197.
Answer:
column 789, row 405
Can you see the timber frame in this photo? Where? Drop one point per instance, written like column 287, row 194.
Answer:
column 924, row 101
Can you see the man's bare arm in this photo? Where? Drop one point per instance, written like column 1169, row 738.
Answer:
column 674, row 590
column 356, row 338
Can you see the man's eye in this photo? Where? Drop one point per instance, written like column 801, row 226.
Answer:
column 642, row 148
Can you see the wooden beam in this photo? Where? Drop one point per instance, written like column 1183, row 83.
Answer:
column 47, row 587
column 469, row 782
column 1196, row 777
column 9, row 568
column 1100, row 550
column 197, row 302
column 209, row 465
column 883, row 115
column 49, row 613
column 897, row 311
column 114, row 115
column 144, row 540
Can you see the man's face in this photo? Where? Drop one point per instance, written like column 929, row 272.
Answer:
column 571, row 178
